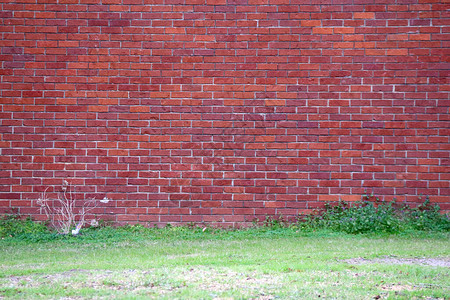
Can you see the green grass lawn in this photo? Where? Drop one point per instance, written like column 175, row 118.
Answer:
column 182, row 263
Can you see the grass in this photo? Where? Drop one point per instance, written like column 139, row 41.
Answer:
column 191, row 263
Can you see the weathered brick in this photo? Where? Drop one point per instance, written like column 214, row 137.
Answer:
column 363, row 15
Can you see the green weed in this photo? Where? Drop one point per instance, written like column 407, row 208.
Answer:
column 16, row 225
column 377, row 217
column 426, row 217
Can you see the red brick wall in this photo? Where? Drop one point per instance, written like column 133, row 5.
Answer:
column 224, row 110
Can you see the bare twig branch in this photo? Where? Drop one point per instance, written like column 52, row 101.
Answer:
column 62, row 211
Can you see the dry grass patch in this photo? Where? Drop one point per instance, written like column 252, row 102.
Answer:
column 393, row 260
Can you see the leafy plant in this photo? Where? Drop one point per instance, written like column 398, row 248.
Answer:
column 360, row 218
column 275, row 222
column 426, row 217
column 63, row 212
column 377, row 217
column 15, row 225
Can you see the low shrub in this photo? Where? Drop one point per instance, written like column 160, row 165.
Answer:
column 377, row 217
column 15, row 225
column 426, row 217
column 362, row 217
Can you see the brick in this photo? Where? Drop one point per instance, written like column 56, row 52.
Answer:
column 322, row 30
column 419, row 37
column 344, row 30
column 397, row 52
column 364, row 15
column 311, row 23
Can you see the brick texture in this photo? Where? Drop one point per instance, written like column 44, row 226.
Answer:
column 223, row 111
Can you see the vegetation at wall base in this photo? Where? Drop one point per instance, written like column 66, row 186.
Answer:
column 14, row 225
column 364, row 217
column 378, row 217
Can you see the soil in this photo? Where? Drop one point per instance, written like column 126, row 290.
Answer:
column 394, row 260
